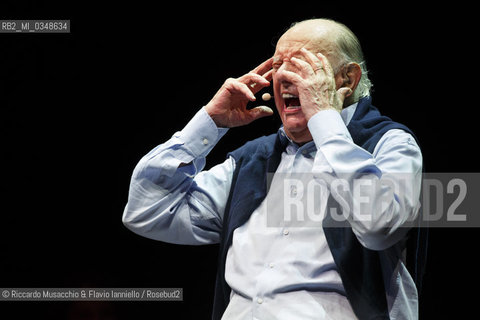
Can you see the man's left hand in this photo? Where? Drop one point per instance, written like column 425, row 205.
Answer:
column 315, row 81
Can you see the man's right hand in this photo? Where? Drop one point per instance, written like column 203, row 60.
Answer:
column 228, row 108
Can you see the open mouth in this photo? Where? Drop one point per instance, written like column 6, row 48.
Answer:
column 292, row 103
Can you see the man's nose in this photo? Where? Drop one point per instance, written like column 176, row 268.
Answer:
column 285, row 85
column 280, row 76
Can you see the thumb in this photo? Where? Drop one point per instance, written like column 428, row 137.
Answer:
column 343, row 93
column 260, row 112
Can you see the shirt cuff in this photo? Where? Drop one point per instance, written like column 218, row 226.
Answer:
column 326, row 125
column 201, row 134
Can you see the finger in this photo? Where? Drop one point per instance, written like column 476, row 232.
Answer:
column 342, row 94
column 268, row 75
column 255, row 81
column 313, row 60
column 260, row 112
column 253, row 77
column 263, row 67
column 302, row 65
column 289, row 76
column 326, row 65
column 242, row 88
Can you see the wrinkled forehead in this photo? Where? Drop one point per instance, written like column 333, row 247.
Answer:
column 291, row 48
column 315, row 40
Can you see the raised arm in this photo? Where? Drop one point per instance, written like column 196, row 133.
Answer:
column 170, row 198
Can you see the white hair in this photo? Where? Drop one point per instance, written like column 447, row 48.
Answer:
column 350, row 49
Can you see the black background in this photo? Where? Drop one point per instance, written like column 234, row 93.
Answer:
column 79, row 110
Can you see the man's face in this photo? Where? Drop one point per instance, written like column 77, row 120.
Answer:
column 286, row 93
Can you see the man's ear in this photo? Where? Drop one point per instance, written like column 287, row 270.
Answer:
column 351, row 74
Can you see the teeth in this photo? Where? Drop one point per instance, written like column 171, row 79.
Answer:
column 288, row 96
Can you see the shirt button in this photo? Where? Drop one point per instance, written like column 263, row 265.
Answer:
column 259, row 300
column 271, row 264
column 286, row 232
column 205, row 141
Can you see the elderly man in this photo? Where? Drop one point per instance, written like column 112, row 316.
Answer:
column 331, row 130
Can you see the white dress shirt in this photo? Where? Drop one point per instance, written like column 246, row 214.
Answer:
column 279, row 272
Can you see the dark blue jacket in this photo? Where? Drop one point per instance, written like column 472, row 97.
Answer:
column 359, row 267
